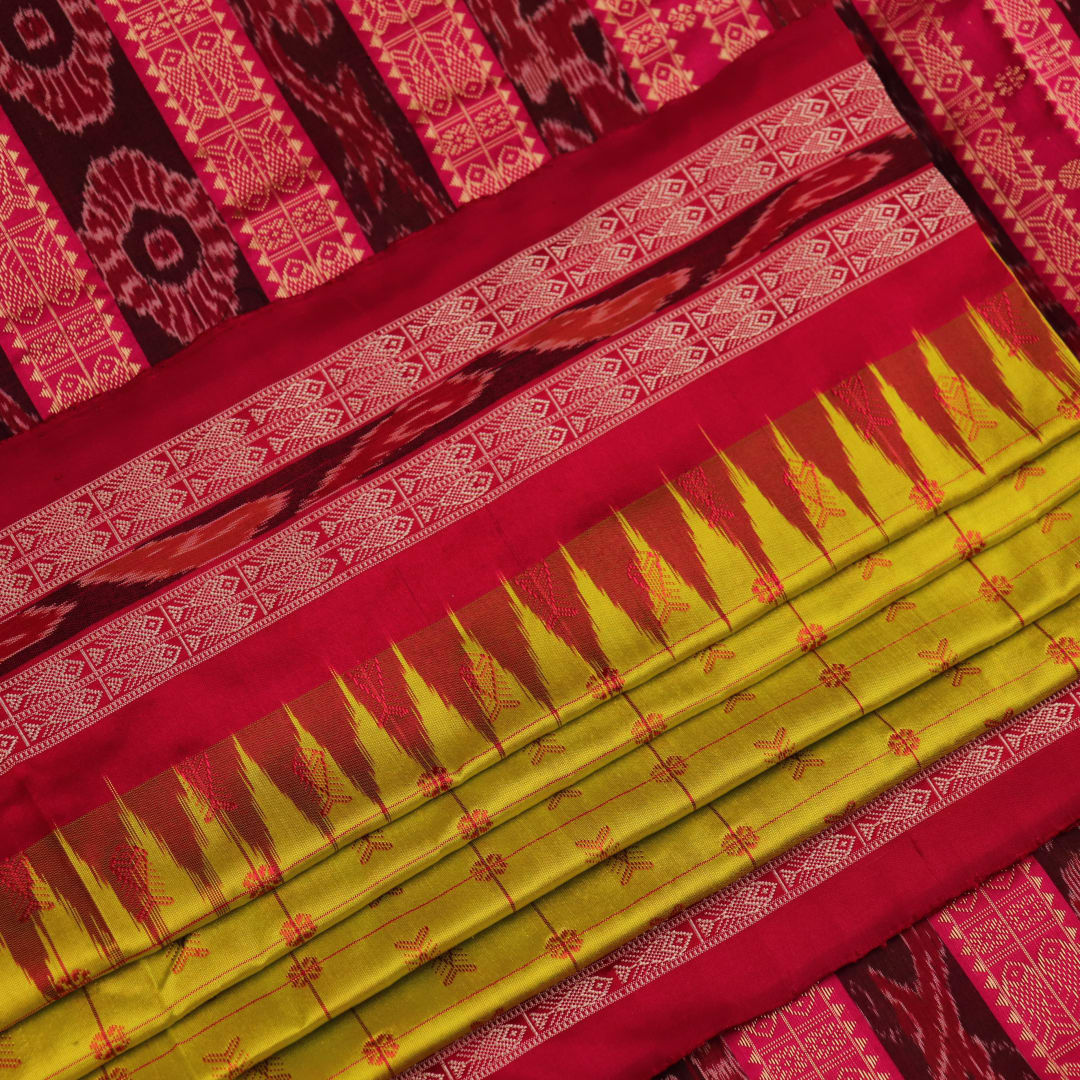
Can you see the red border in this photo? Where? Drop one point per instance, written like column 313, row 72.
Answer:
column 466, row 559
column 811, row 936
column 248, row 353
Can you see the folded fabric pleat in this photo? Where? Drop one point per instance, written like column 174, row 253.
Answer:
column 718, row 627
column 701, row 728
column 677, row 572
column 159, row 989
column 619, row 898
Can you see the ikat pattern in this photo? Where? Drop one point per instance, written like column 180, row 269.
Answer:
column 348, row 112
column 614, row 867
column 150, row 229
column 565, row 69
column 436, row 62
column 269, row 151
column 158, row 490
column 56, row 697
column 62, row 330
column 986, row 986
column 402, row 705
column 670, row 48
column 284, row 208
column 980, row 82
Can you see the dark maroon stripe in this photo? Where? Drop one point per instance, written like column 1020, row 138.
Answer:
column 563, row 67
column 111, row 162
column 926, row 1013
column 1071, row 10
column 1060, row 858
column 349, row 114
column 17, row 412
column 429, row 414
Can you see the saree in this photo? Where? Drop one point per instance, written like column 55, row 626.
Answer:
column 984, row 984
column 492, row 646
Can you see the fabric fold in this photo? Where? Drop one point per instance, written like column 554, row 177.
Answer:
column 594, row 913
column 511, row 711
column 570, row 662
column 157, row 993
column 656, row 698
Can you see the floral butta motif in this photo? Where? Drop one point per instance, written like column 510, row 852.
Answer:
column 914, row 1037
column 417, row 926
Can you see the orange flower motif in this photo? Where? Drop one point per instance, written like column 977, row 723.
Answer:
column 741, row 840
column 474, row 824
column 1069, row 407
column 768, row 589
column 488, row 868
column 995, row 588
column 669, row 769
column 1065, row 650
column 969, row 544
column 904, row 742
column 298, row 929
column 834, row 675
column 811, row 636
column 647, row 728
column 927, row 495
column 434, row 783
column 110, row 1042
column 605, row 684
column 563, row 944
column 304, row 970
column 997, row 721
column 380, row 1049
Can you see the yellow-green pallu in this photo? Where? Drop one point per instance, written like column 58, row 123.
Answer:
column 734, row 687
